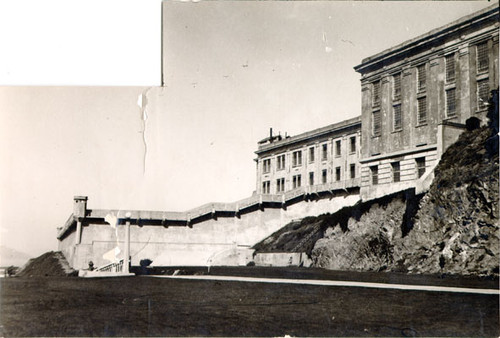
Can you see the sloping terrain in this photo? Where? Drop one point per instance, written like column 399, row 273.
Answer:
column 451, row 229
column 51, row 264
column 295, row 236
column 368, row 241
column 360, row 237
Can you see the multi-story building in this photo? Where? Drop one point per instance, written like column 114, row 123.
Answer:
column 417, row 96
column 324, row 159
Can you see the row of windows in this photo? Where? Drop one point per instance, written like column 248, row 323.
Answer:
column 297, row 155
column 396, row 170
column 482, row 62
column 483, row 90
column 297, row 179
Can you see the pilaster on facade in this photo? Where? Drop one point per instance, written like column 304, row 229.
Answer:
column 314, row 158
column 443, row 79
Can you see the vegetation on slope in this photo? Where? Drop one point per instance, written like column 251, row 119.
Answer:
column 301, row 236
column 50, row 264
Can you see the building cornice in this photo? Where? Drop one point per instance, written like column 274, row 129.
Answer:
column 307, row 136
column 436, row 36
column 397, row 153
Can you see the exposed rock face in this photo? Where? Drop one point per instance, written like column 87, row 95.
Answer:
column 367, row 244
column 455, row 228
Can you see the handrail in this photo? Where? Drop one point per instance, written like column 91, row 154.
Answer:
column 112, row 267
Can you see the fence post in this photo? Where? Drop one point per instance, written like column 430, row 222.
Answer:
column 127, row 243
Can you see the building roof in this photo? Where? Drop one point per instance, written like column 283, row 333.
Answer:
column 403, row 49
column 332, row 128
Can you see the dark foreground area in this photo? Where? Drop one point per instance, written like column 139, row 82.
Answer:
column 487, row 282
column 147, row 306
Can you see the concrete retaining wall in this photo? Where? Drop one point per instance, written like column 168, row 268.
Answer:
column 282, row 259
column 220, row 241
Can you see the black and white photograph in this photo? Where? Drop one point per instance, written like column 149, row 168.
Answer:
column 249, row 168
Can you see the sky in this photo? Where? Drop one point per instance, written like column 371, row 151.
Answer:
column 82, row 113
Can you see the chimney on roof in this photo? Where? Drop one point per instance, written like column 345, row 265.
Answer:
column 271, row 134
column 80, row 206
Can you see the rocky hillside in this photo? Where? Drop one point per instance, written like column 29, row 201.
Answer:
column 451, row 229
column 456, row 227
column 368, row 241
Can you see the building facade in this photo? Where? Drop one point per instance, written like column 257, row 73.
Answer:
column 324, row 159
column 416, row 99
column 417, row 96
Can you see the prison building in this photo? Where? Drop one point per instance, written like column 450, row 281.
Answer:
column 321, row 160
column 417, row 96
column 415, row 100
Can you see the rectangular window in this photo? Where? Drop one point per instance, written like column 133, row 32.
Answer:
column 324, row 152
column 296, row 181
column 266, row 187
column 396, row 172
column 483, row 60
column 280, row 185
column 311, row 154
column 398, row 121
column 376, row 93
column 374, row 172
column 311, row 178
column 297, row 158
column 396, row 94
column 266, row 166
column 421, row 78
column 324, row 176
column 353, row 170
column 451, row 103
column 422, row 110
column 376, row 123
column 338, row 148
column 353, row 144
column 483, row 92
column 420, row 166
column 337, row 174
column 281, row 162
column 450, row 67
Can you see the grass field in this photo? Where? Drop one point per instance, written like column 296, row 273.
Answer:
column 145, row 306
